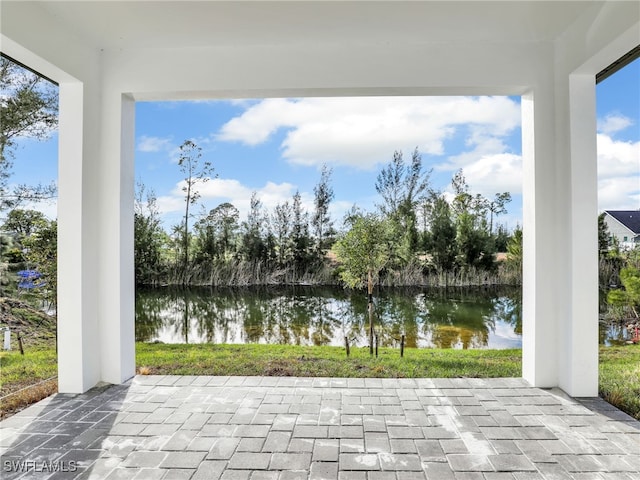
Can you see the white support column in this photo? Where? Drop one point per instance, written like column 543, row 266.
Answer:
column 79, row 365
column 578, row 366
column 560, row 272
column 78, row 358
column 541, row 272
column 116, row 279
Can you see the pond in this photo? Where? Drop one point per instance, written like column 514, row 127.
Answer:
column 442, row 318
column 324, row 316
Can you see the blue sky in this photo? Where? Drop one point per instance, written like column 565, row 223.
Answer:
column 277, row 146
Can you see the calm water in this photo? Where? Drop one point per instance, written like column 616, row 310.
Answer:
column 453, row 318
column 324, row 316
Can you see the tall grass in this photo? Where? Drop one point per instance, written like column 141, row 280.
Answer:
column 241, row 273
column 415, row 275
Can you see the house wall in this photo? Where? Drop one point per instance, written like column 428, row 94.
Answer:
column 619, row 231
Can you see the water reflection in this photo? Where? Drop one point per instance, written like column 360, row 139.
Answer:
column 614, row 334
column 465, row 318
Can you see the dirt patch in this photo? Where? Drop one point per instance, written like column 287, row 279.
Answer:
column 14, row 402
column 34, row 326
column 278, row 368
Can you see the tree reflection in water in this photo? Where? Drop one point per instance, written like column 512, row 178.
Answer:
column 460, row 318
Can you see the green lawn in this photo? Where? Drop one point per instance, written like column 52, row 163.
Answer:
column 17, row 372
column 619, row 366
column 620, row 377
column 278, row 360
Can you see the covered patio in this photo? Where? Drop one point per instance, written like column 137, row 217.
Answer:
column 106, row 423
column 286, row 428
column 108, row 55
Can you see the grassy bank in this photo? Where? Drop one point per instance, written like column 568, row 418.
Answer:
column 620, row 377
column 26, row 379
column 285, row 360
column 619, row 366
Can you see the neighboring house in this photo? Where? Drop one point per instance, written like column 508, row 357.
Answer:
column 624, row 226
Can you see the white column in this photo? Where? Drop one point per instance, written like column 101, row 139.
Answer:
column 578, row 366
column 542, row 273
column 560, row 271
column 116, row 278
column 95, row 239
column 78, row 357
column 79, row 364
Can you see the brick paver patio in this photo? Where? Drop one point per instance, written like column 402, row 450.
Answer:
column 268, row 428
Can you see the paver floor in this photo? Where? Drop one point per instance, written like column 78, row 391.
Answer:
column 268, row 428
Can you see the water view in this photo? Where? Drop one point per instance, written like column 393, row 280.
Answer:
column 442, row 318
column 324, row 316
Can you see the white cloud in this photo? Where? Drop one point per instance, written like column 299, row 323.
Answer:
column 618, row 174
column 613, row 123
column 489, row 167
column 49, row 208
column 257, row 123
column 621, row 193
column 168, row 204
column 485, row 146
column 154, row 144
column 488, row 171
column 617, row 158
column 496, row 173
column 364, row 132
column 219, row 190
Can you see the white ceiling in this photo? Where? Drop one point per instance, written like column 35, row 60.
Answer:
column 149, row 24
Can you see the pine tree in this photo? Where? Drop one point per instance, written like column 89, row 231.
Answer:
column 321, row 221
column 442, row 237
column 299, row 234
column 253, row 245
column 403, row 187
column 281, row 222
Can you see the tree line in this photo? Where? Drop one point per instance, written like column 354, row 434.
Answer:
column 421, row 235
column 28, row 108
column 416, row 236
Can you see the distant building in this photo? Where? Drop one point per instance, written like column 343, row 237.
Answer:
column 624, row 226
